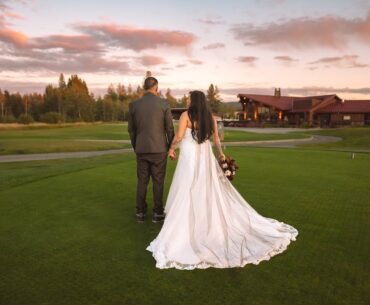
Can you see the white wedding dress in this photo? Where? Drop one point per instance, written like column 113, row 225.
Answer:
column 208, row 223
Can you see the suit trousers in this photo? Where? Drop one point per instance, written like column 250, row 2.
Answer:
column 150, row 165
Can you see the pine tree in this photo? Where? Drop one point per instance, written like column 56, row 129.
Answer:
column 62, row 82
column 121, row 92
column 2, row 102
column 51, row 98
column 61, row 93
column 80, row 106
column 129, row 90
column 171, row 99
column 111, row 92
column 183, row 101
column 213, row 98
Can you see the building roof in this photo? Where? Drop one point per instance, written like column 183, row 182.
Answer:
column 330, row 103
column 279, row 102
column 319, row 97
column 286, row 102
column 348, row 106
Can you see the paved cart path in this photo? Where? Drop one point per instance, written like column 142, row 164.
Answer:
column 291, row 143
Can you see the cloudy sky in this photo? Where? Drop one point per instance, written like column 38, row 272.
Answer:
column 304, row 47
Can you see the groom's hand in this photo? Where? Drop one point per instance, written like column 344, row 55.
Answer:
column 172, row 154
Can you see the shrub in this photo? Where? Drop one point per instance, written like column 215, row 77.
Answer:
column 51, row 118
column 8, row 119
column 305, row 125
column 25, row 119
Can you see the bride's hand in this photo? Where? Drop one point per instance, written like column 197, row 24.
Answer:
column 172, row 154
column 222, row 157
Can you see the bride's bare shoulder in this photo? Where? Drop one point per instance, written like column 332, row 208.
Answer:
column 185, row 119
column 185, row 114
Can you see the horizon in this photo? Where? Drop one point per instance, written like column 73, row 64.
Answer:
column 303, row 47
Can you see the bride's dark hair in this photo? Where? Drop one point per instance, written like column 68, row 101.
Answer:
column 200, row 117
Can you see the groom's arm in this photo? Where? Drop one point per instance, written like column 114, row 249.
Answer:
column 168, row 124
column 131, row 126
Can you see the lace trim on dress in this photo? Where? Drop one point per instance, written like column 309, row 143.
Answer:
column 280, row 247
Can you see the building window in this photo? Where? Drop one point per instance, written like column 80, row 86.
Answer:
column 263, row 109
column 346, row 118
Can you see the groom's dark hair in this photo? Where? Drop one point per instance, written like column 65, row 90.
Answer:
column 150, row 82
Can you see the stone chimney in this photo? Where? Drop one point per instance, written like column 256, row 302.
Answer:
column 277, row 92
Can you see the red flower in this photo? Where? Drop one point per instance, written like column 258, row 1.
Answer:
column 229, row 167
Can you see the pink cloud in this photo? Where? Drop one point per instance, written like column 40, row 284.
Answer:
column 346, row 61
column 13, row 37
column 66, row 64
column 13, row 15
column 3, row 5
column 75, row 43
column 85, row 51
column 148, row 60
column 294, row 91
column 216, row 45
column 195, row 62
column 136, row 38
column 212, row 20
column 284, row 58
column 250, row 60
column 321, row 32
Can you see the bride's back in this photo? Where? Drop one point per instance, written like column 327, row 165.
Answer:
column 199, row 117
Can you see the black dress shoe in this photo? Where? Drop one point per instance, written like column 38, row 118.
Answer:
column 158, row 218
column 140, row 217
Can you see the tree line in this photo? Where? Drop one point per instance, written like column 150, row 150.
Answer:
column 71, row 101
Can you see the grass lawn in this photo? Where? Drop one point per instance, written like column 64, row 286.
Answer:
column 68, row 132
column 27, row 146
column 60, row 138
column 234, row 135
column 353, row 138
column 68, row 234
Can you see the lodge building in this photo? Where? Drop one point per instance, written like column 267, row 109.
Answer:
column 321, row 110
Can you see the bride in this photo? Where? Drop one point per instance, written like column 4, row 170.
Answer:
column 208, row 223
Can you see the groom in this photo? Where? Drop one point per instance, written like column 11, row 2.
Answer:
column 151, row 131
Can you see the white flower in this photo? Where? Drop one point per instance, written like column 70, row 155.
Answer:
column 233, row 173
column 224, row 165
column 227, row 173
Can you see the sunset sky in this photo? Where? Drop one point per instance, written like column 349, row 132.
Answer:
column 304, row 47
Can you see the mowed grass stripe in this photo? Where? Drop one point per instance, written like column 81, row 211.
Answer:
column 73, row 138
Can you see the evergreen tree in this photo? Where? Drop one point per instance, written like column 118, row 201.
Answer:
column 213, row 98
column 111, row 93
column 2, row 104
column 139, row 91
column 16, row 104
column 61, row 93
column 7, row 104
column 121, row 92
column 62, row 82
column 171, row 99
column 129, row 90
column 36, row 102
column 51, row 98
column 183, row 101
column 80, row 104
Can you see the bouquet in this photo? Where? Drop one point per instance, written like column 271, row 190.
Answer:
column 229, row 167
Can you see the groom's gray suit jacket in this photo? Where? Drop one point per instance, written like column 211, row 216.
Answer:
column 150, row 124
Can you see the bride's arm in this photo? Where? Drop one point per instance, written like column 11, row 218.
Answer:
column 183, row 122
column 216, row 139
